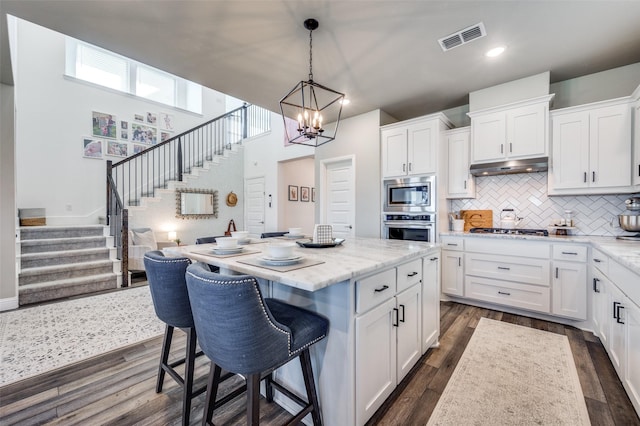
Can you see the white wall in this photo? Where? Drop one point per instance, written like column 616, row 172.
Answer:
column 299, row 214
column 54, row 113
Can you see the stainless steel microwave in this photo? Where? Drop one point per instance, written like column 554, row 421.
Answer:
column 410, row 194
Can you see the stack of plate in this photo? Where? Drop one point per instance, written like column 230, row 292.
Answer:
column 224, row 251
column 280, row 261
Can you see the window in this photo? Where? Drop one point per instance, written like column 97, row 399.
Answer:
column 102, row 67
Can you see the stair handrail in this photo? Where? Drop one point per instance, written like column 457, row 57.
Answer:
column 142, row 173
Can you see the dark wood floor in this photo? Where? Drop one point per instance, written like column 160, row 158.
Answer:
column 118, row 388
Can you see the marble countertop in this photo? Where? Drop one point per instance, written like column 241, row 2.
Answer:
column 625, row 252
column 354, row 258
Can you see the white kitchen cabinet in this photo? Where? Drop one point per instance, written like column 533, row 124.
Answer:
column 617, row 342
column 460, row 183
column 569, row 290
column 430, row 301
column 600, row 300
column 636, row 143
column 632, row 374
column 411, row 147
column 452, row 272
column 591, row 149
column 518, row 130
column 390, row 326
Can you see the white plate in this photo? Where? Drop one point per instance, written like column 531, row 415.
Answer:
column 280, row 262
column 294, row 236
column 228, row 250
column 279, row 259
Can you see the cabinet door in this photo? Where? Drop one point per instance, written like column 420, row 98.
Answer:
column 569, row 292
column 610, row 146
column 452, row 273
column 488, row 136
column 632, row 379
column 526, row 132
column 394, row 152
column 375, row 359
column 636, row 145
column 617, row 336
column 570, row 138
column 600, row 306
column 459, row 182
column 422, row 155
column 430, row 301
column 409, row 330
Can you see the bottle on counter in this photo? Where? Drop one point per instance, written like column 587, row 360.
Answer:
column 568, row 217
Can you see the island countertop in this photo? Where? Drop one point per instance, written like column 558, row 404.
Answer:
column 355, row 257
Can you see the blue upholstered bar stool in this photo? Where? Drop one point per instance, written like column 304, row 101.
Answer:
column 243, row 333
column 207, row 240
column 166, row 276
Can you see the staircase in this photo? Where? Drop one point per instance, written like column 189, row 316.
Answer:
column 58, row 262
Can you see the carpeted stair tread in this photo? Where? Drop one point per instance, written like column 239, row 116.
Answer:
column 48, row 232
column 56, row 272
column 61, row 244
column 34, row 293
column 34, row 260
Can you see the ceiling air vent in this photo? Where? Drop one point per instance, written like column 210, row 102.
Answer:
column 461, row 37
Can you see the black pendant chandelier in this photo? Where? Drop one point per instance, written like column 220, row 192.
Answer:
column 309, row 106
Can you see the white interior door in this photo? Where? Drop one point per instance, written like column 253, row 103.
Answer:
column 339, row 196
column 254, row 205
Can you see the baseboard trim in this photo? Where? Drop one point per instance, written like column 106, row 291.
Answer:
column 9, row 303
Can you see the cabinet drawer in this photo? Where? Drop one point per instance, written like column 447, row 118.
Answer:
column 509, row 247
column 531, row 297
column 409, row 274
column 572, row 252
column 374, row 290
column 508, row 268
column 600, row 261
column 452, row 243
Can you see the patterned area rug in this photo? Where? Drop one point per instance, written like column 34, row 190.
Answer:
column 43, row 338
column 513, row 375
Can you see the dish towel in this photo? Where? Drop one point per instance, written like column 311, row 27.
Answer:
column 322, row 234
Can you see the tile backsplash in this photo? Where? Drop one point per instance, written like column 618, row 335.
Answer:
column 527, row 195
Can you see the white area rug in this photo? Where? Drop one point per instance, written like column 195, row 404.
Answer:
column 513, row 375
column 43, row 338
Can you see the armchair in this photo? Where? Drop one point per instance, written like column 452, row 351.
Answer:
column 142, row 240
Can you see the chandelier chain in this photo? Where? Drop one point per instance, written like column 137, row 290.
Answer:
column 310, row 56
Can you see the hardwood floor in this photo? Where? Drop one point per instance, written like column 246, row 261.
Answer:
column 118, row 388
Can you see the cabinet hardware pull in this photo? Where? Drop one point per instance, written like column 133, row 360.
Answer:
column 395, row 311
column 504, row 292
column 556, row 272
column 615, row 310
column 404, row 167
column 402, row 320
column 412, row 274
column 504, row 268
column 638, row 169
column 618, row 319
column 593, row 176
column 465, row 184
column 433, row 258
column 597, row 260
column 459, row 261
column 501, row 148
column 409, row 166
column 452, row 244
column 510, row 147
column 570, row 252
column 383, row 288
column 585, row 177
column 595, row 285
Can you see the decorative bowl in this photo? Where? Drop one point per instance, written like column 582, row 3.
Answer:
column 227, row 242
column 240, row 235
column 295, row 231
column 280, row 250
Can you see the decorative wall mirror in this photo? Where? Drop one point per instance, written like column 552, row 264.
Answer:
column 196, row 203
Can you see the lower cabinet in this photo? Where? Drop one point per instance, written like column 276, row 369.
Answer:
column 389, row 337
column 430, row 301
column 452, row 272
column 569, row 290
column 600, row 300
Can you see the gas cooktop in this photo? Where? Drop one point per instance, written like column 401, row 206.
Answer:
column 539, row 232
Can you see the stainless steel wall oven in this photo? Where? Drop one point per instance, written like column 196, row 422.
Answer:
column 414, row 227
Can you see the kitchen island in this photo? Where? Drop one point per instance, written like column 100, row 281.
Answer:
column 382, row 300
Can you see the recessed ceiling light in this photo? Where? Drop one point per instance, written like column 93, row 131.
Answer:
column 496, row 51
column 345, row 101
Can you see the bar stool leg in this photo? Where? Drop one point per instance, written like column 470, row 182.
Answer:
column 189, row 362
column 212, row 392
column 309, row 384
column 253, row 399
column 166, row 346
column 268, row 387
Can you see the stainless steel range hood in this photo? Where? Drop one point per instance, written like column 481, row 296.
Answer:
column 530, row 165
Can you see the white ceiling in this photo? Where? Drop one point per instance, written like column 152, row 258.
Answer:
column 382, row 54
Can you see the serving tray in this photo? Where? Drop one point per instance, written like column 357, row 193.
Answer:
column 311, row 244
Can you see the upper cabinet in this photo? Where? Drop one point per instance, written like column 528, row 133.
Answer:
column 514, row 131
column 591, row 149
column 411, row 147
column 460, row 183
column 636, row 142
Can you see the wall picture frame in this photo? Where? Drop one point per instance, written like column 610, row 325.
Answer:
column 103, row 125
column 117, row 149
column 304, row 194
column 313, row 195
column 165, row 122
column 293, row 193
column 92, row 148
column 144, row 134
